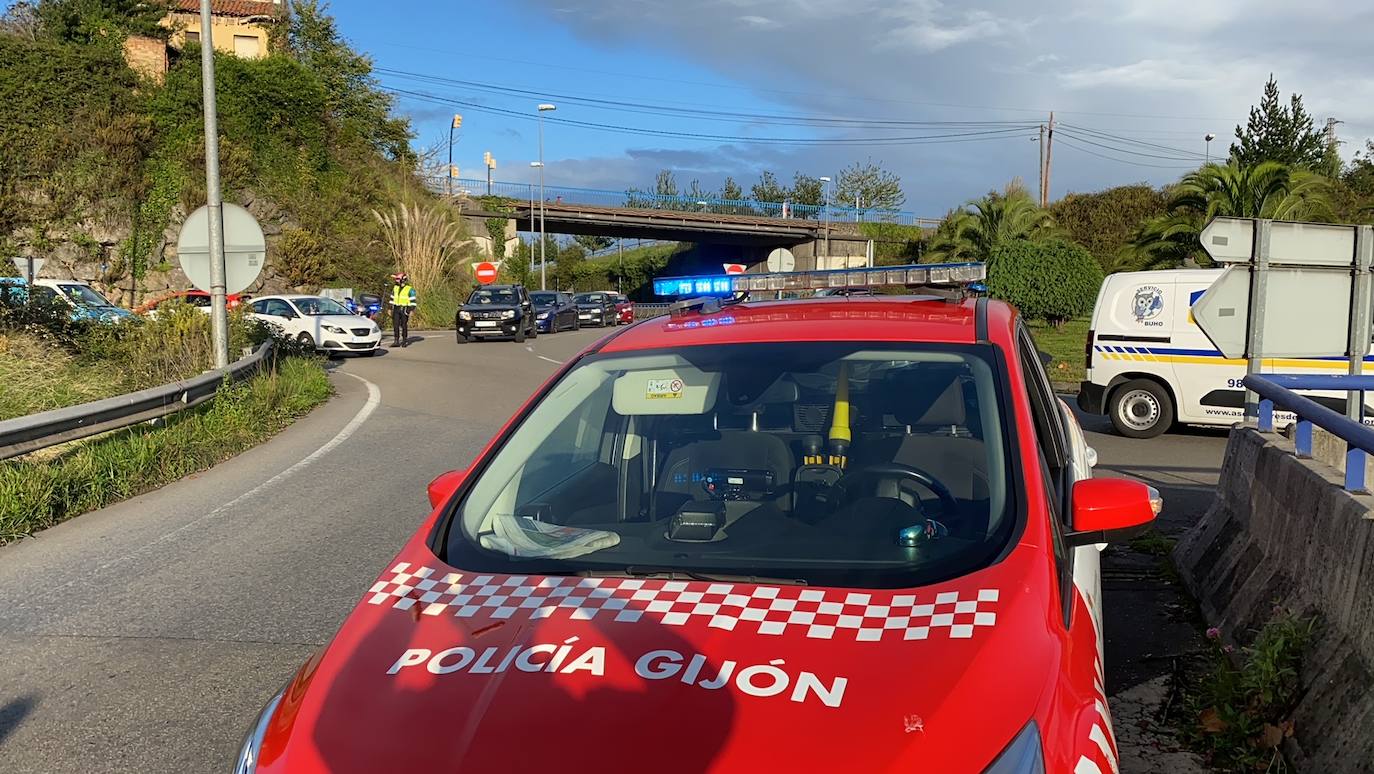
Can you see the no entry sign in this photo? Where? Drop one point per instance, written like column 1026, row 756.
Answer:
column 485, row 272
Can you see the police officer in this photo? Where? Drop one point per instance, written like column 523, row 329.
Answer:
column 402, row 304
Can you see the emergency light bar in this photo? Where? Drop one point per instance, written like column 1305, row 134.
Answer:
column 923, row 275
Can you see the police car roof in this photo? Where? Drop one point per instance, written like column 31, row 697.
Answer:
column 863, row 318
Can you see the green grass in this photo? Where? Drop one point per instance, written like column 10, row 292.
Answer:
column 35, row 377
column 1065, row 345
column 40, row 490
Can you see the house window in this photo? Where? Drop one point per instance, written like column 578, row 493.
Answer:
column 192, row 36
column 247, row 47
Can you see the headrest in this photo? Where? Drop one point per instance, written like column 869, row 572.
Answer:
column 933, row 398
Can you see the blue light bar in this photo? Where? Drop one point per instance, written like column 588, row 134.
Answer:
column 912, row 275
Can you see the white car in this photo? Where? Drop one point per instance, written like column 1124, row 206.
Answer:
column 319, row 322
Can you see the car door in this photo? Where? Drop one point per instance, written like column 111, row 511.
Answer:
column 277, row 312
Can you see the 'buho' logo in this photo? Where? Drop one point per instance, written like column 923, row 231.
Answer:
column 1148, row 303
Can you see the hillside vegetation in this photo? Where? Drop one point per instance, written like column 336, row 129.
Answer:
column 98, row 166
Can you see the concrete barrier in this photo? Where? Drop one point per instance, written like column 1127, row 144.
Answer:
column 1282, row 531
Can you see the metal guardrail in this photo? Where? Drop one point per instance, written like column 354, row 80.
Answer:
column 22, row 435
column 645, row 311
column 634, row 199
column 1276, row 391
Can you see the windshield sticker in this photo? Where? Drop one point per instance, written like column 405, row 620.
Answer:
column 663, row 388
column 570, row 657
column 765, row 610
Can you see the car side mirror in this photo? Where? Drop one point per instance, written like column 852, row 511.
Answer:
column 1109, row 510
column 442, row 488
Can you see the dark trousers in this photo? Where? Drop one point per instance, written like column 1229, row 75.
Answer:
column 400, row 323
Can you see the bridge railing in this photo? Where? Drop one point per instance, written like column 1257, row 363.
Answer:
column 1277, row 391
column 635, row 199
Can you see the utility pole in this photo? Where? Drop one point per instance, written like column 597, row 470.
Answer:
column 457, row 123
column 490, row 163
column 826, row 194
column 620, row 247
column 1041, row 166
column 1049, row 156
column 543, row 271
column 219, row 313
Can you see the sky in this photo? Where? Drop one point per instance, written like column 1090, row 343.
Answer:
column 947, row 95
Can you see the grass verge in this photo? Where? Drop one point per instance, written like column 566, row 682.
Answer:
column 1064, row 344
column 39, row 491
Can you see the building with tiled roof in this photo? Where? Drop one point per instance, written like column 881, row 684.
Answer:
column 240, row 27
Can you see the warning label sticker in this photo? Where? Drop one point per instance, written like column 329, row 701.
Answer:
column 663, row 388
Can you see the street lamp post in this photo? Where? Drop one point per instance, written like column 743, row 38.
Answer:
column 826, row 180
column 457, row 122
column 543, row 277
column 539, row 232
column 1208, row 139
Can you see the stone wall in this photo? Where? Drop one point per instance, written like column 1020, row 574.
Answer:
column 1282, row 531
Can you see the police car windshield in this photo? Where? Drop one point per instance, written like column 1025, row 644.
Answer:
column 504, row 296
column 832, row 463
column 544, row 299
column 316, row 306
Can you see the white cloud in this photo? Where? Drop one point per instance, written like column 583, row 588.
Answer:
column 760, row 22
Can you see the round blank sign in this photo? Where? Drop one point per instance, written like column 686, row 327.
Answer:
column 781, row 259
column 245, row 249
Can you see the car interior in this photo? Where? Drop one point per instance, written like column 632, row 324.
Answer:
column 770, row 457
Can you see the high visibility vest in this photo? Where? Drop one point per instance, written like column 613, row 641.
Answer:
column 402, row 295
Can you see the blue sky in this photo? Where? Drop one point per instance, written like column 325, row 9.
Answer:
column 1138, row 83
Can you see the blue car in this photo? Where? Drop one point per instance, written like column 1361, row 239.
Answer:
column 554, row 311
column 83, row 301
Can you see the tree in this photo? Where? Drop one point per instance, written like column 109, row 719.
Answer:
column 1264, row 190
column 695, row 192
column 570, row 260
column 1278, row 133
column 767, row 189
column 730, row 190
column 1053, row 280
column 592, row 243
column 806, row 190
column 972, row 232
column 665, row 184
column 93, row 21
column 1105, row 221
column 1360, row 174
column 355, row 100
column 22, row 20
column 870, row 185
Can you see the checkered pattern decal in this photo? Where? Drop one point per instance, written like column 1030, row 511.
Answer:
column 816, row 613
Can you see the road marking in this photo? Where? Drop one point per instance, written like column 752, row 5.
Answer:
column 374, row 399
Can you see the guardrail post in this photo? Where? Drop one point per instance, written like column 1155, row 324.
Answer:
column 1354, row 469
column 1302, row 438
column 1266, row 415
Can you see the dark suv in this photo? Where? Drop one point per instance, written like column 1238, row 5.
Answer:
column 596, row 308
column 497, row 310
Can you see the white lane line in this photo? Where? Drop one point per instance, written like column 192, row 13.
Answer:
column 374, row 399
column 549, row 359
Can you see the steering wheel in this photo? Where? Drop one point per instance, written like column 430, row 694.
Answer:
column 948, row 504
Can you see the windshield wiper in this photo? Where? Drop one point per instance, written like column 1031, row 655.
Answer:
column 668, row 573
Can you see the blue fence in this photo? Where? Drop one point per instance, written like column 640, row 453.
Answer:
column 1276, row 391
column 461, row 186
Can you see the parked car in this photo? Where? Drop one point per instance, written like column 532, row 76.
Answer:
column 624, row 308
column 503, row 311
column 320, row 323
column 554, row 311
column 197, row 298
column 83, row 301
column 596, row 308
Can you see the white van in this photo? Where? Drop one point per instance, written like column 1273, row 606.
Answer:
column 1150, row 365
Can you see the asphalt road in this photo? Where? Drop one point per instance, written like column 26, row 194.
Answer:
column 146, row 636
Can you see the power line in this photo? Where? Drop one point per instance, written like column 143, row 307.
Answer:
column 990, row 134
column 704, row 114
column 1128, row 151
column 1064, row 141
column 1107, row 135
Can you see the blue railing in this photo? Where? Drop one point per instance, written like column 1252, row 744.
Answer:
column 1276, row 391
column 635, row 199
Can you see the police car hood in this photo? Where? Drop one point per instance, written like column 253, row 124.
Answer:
column 442, row 669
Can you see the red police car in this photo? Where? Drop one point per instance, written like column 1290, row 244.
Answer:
column 840, row 534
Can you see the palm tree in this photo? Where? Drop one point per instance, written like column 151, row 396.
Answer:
column 1265, row 190
column 971, row 233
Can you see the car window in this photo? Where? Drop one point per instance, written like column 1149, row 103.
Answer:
column 195, row 299
column 733, row 459
column 83, row 295
column 272, row 306
column 315, row 306
column 544, row 299
column 590, row 298
column 501, row 296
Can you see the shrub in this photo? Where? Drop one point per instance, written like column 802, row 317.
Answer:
column 1053, row 280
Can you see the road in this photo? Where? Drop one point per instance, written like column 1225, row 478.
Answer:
column 147, row 635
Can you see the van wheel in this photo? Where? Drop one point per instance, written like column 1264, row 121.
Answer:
column 1141, row 408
